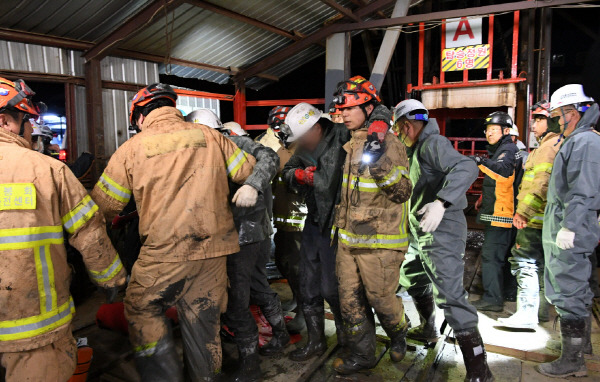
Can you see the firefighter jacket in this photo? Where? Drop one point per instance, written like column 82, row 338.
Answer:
column 438, row 171
column 254, row 223
column 41, row 202
column 329, row 160
column 498, row 202
column 289, row 209
column 178, row 173
column 534, row 186
column 373, row 211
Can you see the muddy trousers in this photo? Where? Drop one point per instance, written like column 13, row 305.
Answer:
column 51, row 363
column 369, row 278
column 287, row 257
column 198, row 288
column 248, row 284
column 318, row 279
column 527, row 265
column 497, row 242
column 434, row 265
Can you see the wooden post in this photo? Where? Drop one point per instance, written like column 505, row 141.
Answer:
column 94, row 111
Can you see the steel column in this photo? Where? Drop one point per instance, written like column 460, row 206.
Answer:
column 515, row 47
column 95, row 123
column 491, row 44
column 421, row 52
column 239, row 104
column 337, row 63
column 70, row 111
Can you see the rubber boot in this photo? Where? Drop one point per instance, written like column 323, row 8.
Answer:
column 361, row 346
column 474, row 355
column 281, row 337
column 397, row 335
column 297, row 324
column 426, row 331
column 526, row 316
column 588, row 351
column 159, row 363
column 571, row 361
column 544, row 308
column 317, row 342
column 249, row 361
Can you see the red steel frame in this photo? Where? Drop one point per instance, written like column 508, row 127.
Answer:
column 514, row 78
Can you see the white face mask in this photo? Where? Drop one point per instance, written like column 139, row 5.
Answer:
column 408, row 142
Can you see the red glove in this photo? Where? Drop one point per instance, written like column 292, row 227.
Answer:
column 380, row 128
column 306, row 176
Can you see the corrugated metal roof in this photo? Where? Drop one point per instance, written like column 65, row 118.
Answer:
column 197, row 34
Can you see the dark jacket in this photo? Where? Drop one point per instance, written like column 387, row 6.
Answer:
column 499, row 188
column 254, row 223
column 329, row 159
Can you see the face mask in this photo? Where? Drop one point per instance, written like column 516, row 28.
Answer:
column 554, row 125
column 404, row 138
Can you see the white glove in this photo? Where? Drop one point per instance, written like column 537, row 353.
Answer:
column 246, row 196
column 432, row 215
column 565, row 238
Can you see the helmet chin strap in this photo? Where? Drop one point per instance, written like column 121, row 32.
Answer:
column 22, row 128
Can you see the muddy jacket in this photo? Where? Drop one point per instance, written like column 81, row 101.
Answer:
column 438, row 171
column 41, row 201
column 254, row 223
column 329, row 160
column 574, row 187
column 534, row 186
column 178, row 173
column 373, row 212
column 289, row 209
column 498, row 203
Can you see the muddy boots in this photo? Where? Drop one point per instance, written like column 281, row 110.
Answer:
column 361, row 349
column 274, row 315
column 526, row 316
column 297, row 324
column 317, row 342
column 397, row 335
column 426, row 331
column 588, row 351
column 471, row 346
column 571, row 361
column 249, row 361
column 159, row 363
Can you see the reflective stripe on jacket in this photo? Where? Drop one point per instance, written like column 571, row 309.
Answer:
column 373, row 211
column 40, row 200
column 178, row 173
column 534, row 186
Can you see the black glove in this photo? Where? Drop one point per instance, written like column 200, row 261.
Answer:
column 477, row 159
column 373, row 149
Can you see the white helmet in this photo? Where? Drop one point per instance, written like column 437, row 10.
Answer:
column 514, row 131
column 235, row 129
column 411, row 109
column 300, row 119
column 205, row 117
column 571, row 94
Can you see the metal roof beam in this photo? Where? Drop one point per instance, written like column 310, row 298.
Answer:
column 243, row 18
column 341, row 9
column 129, row 28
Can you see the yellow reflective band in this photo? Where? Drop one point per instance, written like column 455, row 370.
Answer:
column 79, row 215
column 529, row 175
column 393, row 177
column 539, row 219
column 44, row 270
column 146, row 350
column 294, row 221
column 36, row 325
column 543, row 167
column 17, row 196
column 113, row 189
column 31, row 237
column 363, row 184
column 235, row 162
column 373, row 241
column 532, row 201
column 108, row 273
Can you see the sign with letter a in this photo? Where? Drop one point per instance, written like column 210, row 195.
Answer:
column 463, row 32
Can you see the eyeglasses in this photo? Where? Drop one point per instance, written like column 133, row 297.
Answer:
column 559, row 112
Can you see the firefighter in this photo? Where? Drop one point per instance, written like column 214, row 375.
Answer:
column 497, row 207
column 335, row 114
column 42, row 199
column 178, row 174
column 247, row 268
column 370, row 223
column 314, row 171
column 570, row 231
column 433, row 269
column 527, row 260
column 289, row 213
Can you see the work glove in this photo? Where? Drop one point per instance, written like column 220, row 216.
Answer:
column 378, row 128
column 245, row 196
column 373, row 149
column 432, row 215
column 305, row 177
column 477, row 159
column 565, row 239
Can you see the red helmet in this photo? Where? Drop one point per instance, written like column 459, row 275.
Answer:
column 277, row 116
column 355, row 91
column 17, row 95
column 541, row 108
column 149, row 94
